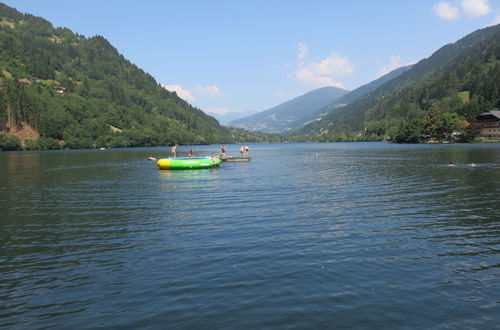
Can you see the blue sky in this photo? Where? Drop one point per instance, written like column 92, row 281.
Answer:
column 243, row 56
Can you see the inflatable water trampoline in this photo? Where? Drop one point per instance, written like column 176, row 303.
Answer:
column 188, row 163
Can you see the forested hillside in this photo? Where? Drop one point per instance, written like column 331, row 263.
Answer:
column 58, row 88
column 433, row 100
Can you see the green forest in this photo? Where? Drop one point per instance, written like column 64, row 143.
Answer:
column 69, row 91
column 434, row 101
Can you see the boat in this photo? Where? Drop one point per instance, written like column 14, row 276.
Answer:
column 188, row 163
column 235, row 158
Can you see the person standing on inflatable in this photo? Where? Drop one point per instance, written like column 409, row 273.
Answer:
column 173, row 151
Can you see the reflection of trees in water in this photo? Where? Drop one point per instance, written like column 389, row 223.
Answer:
column 20, row 177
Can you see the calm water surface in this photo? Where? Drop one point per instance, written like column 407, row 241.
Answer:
column 334, row 235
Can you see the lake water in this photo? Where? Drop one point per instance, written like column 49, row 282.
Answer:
column 331, row 235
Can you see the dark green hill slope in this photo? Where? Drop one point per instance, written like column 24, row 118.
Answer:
column 457, row 82
column 291, row 114
column 81, row 93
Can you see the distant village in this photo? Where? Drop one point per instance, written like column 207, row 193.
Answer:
column 31, row 80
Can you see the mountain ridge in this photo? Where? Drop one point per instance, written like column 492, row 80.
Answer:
column 353, row 95
column 289, row 114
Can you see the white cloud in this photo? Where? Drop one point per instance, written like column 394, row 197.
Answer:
column 309, row 77
column 395, row 62
column 495, row 21
column 471, row 8
column 445, row 10
column 181, row 92
column 475, row 8
column 220, row 111
column 208, row 90
column 325, row 72
column 303, row 51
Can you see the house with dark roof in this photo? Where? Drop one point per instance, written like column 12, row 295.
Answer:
column 487, row 125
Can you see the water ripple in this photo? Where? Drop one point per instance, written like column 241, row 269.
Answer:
column 303, row 236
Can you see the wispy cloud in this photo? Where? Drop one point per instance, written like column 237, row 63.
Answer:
column 495, row 21
column 395, row 62
column 303, row 51
column 208, row 90
column 323, row 73
column 220, row 111
column 475, row 8
column 186, row 94
column 180, row 91
column 445, row 10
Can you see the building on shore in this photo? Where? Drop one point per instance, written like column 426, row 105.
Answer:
column 487, row 125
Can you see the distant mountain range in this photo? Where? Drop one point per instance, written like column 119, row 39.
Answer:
column 291, row 114
column 225, row 118
column 307, row 108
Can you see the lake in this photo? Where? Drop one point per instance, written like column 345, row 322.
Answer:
column 306, row 235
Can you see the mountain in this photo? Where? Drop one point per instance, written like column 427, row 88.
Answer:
column 291, row 114
column 351, row 96
column 434, row 98
column 61, row 89
column 225, row 118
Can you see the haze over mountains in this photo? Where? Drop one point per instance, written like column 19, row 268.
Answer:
column 225, row 118
column 291, row 114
